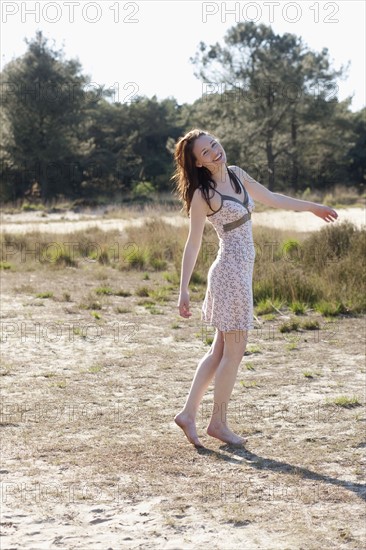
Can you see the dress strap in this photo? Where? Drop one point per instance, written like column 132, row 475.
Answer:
column 246, row 196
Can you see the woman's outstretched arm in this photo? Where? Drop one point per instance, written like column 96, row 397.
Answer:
column 276, row 200
column 197, row 224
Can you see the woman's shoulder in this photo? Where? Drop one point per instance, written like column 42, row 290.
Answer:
column 202, row 192
column 240, row 173
column 198, row 197
column 236, row 169
column 198, row 192
column 199, row 200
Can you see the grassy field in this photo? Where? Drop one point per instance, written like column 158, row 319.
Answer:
column 125, row 205
column 96, row 362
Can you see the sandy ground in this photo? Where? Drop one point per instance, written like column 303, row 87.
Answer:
column 91, row 457
column 70, row 221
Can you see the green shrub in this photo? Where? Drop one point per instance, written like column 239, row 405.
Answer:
column 289, row 326
column 65, row 260
column 297, row 307
column 44, row 295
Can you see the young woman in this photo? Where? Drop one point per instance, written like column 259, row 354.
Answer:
column 224, row 195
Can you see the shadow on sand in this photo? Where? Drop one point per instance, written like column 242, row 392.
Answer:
column 240, row 455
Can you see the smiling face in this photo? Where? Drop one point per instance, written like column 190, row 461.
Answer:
column 209, row 153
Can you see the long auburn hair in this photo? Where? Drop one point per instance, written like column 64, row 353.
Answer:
column 187, row 176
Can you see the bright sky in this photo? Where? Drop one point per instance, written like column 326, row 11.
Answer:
column 144, row 47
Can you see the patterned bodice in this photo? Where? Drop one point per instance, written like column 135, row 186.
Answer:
column 232, row 215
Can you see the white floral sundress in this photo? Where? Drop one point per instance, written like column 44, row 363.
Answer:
column 228, row 303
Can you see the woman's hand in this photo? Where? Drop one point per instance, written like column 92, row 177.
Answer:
column 324, row 212
column 183, row 304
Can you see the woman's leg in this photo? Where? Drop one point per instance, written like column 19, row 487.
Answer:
column 234, row 348
column 205, row 372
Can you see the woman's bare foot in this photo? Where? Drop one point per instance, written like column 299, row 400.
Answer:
column 222, row 432
column 189, row 428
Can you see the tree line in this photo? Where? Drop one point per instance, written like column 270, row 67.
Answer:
column 269, row 98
